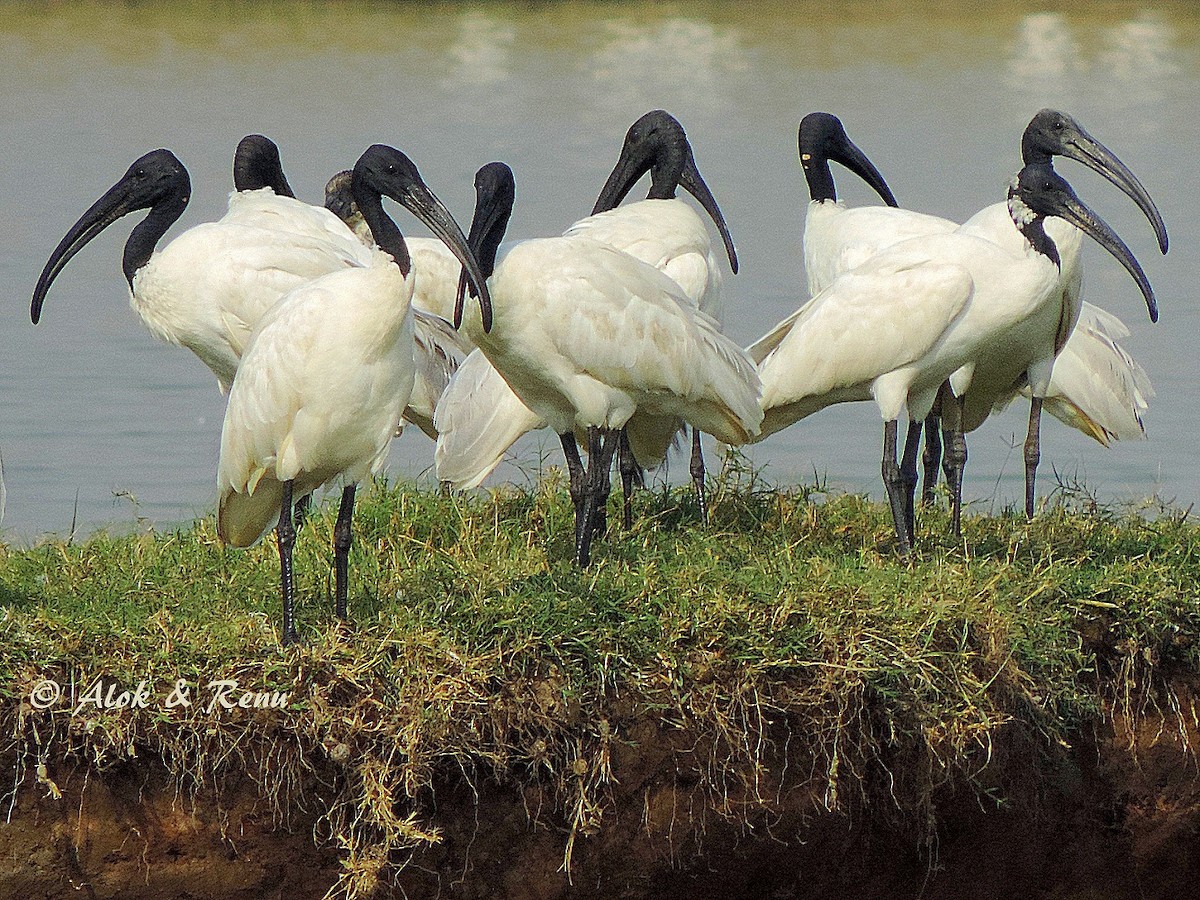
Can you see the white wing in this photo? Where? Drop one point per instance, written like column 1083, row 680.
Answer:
column 478, row 418
column 1096, row 386
column 585, row 329
column 838, row 239
column 439, row 350
column 871, row 321
column 666, row 234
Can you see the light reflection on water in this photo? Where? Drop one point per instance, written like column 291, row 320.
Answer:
column 95, row 411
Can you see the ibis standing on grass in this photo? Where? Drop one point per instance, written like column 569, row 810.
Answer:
column 668, row 234
column 896, row 327
column 587, row 336
column 481, row 418
column 325, row 377
column 838, row 239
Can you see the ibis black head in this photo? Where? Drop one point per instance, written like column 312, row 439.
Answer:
column 383, row 171
column 495, row 193
column 823, row 139
column 1053, row 133
column 1037, row 192
column 256, row 165
column 158, row 182
column 656, row 143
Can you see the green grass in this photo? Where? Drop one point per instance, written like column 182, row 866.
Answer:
column 476, row 643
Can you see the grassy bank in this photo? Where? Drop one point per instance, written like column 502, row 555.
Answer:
column 478, row 651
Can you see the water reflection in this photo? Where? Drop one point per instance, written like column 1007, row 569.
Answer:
column 679, row 54
column 482, row 55
column 936, row 92
column 1045, row 49
column 1140, row 53
column 1138, row 56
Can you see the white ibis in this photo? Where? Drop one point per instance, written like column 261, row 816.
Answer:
column 208, row 287
column 482, row 417
column 438, row 347
column 921, row 312
column 587, row 336
column 666, row 233
column 844, row 238
column 325, row 377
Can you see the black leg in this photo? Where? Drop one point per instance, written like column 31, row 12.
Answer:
column 628, row 466
column 285, row 535
column 342, row 538
column 932, row 458
column 1033, row 453
column 602, row 447
column 955, row 461
column 697, row 469
column 908, row 472
column 577, row 479
column 893, row 481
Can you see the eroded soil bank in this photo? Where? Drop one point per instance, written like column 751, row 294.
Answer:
column 1116, row 815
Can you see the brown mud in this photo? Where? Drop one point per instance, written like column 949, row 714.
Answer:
column 1114, row 815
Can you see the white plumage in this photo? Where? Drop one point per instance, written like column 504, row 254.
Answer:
column 586, row 335
column 322, row 384
column 923, row 311
column 208, row 288
column 481, row 417
column 1096, row 386
column 325, row 377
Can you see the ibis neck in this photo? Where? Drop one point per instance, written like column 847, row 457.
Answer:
column 385, row 232
column 819, row 178
column 147, row 233
column 662, row 187
column 1035, row 233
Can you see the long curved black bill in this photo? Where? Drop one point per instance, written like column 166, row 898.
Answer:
column 1085, row 149
column 422, row 203
column 846, row 153
column 1074, row 211
column 115, row 203
column 690, row 181
column 620, row 181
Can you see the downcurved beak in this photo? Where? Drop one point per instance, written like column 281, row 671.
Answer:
column 117, row 201
column 621, row 179
column 418, row 199
column 846, row 152
column 1074, row 211
column 1080, row 146
column 691, row 182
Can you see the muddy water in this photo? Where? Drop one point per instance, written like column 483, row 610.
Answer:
column 100, row 424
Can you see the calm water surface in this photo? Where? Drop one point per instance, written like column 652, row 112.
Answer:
column 102, row 425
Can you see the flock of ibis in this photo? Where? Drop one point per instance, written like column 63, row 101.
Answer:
column 329, row 330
